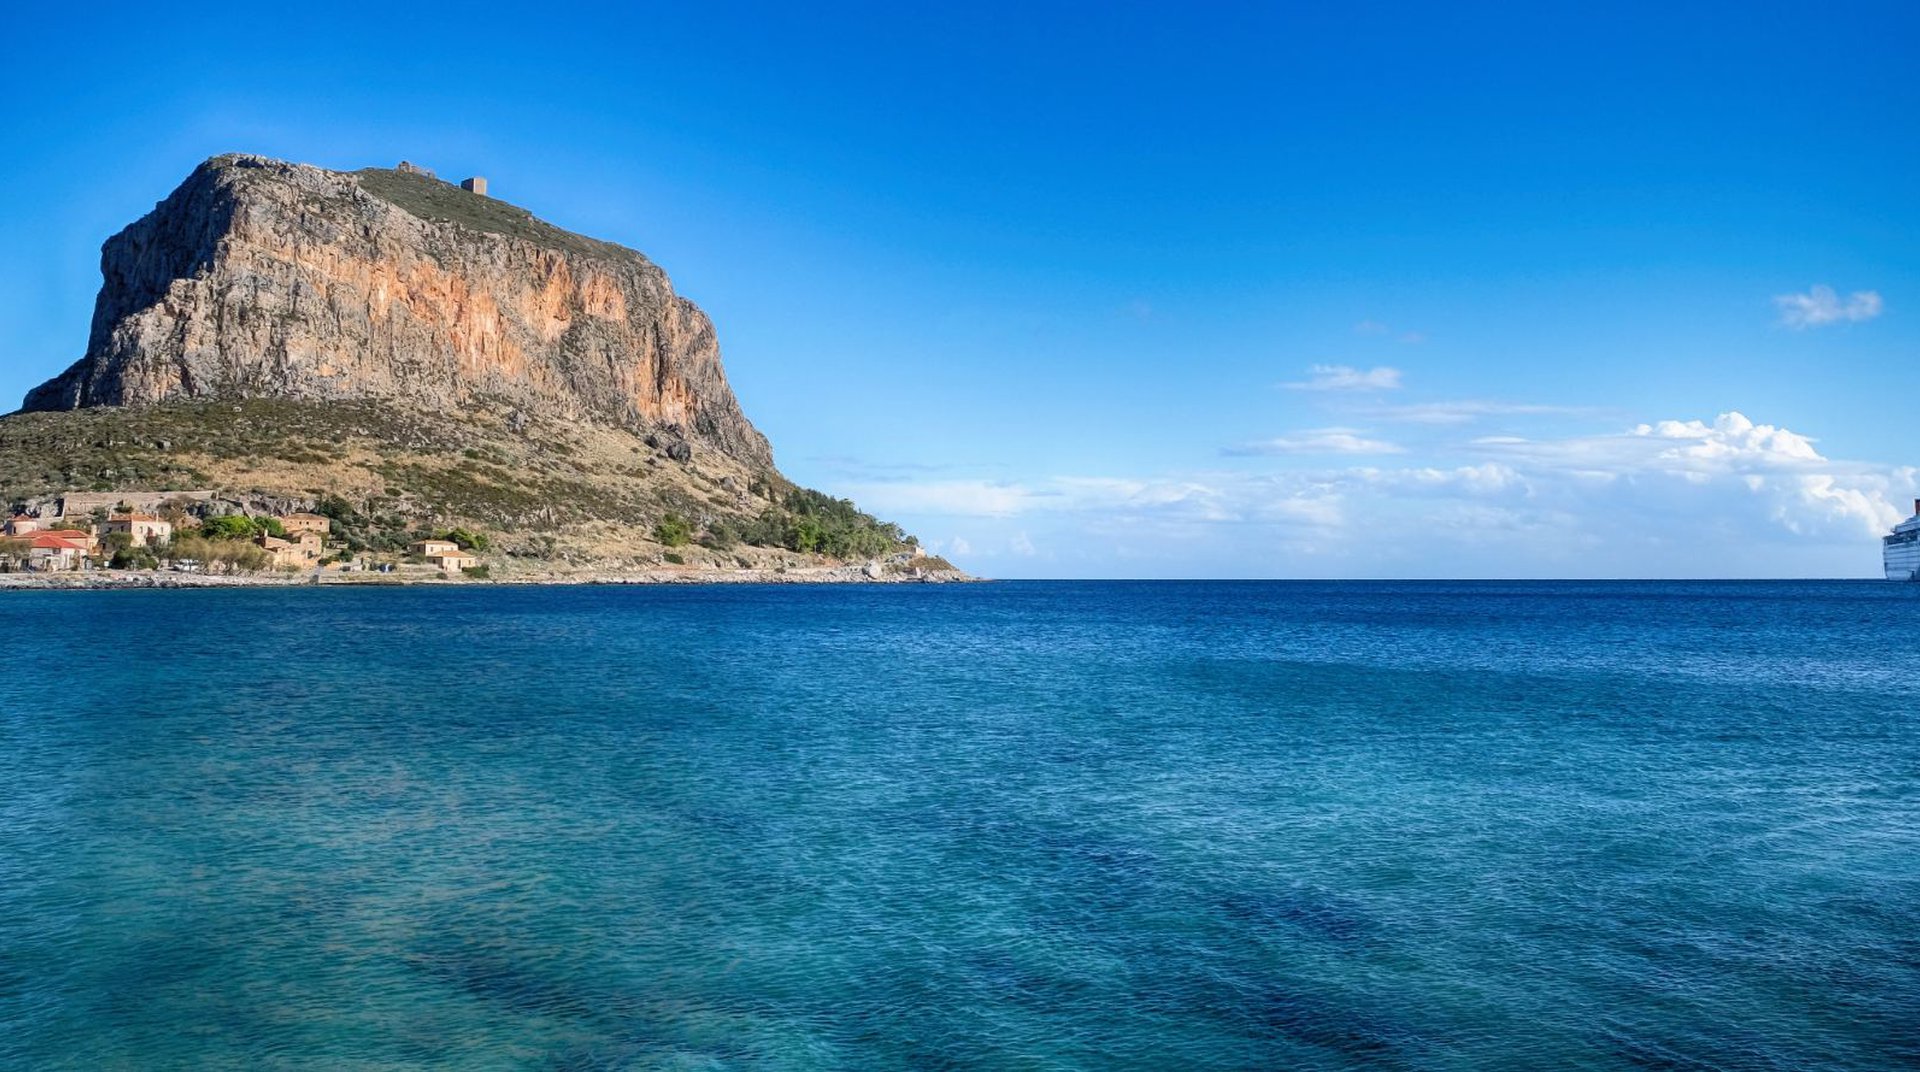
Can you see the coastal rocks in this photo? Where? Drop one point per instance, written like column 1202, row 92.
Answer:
column 105, row 579
column 264, row 279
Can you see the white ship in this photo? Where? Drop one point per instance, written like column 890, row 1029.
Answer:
column 1902, row 549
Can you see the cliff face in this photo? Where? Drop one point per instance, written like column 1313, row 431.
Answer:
column 263, row 279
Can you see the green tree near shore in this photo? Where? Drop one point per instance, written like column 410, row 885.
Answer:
column 467, row 539
column 241, row 527
column 221, row 555
column 15, row 552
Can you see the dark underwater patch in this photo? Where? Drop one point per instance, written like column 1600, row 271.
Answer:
column 1294, row 1014
column 1302, row 911
column 500, row 981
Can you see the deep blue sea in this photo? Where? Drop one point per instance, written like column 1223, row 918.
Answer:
column 1003, row 826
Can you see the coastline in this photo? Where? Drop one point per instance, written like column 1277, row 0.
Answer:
column 95, row 580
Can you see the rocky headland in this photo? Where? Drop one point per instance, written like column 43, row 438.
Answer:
column 406, row 356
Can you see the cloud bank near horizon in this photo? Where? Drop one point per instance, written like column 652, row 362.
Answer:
column 1670, row 497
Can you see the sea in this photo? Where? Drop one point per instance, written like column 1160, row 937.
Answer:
column 1018, row 825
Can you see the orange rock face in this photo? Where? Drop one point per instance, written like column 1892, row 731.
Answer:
column 258, row 278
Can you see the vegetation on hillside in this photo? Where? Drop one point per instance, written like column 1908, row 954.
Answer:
column 673, row 531
column 386, row 476
column 809, row 521
column 241, row 527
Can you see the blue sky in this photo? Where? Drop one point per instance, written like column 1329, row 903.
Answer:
column 1229, row 290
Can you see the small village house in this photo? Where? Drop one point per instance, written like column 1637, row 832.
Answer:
column 297, row 552
column 22, row 525
column 146, row 529
column 83, row 537
column 452, row 561
column 429, row 548
column 56, row 553
column 294, row 524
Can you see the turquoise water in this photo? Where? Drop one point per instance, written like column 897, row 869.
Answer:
column 1010, row 826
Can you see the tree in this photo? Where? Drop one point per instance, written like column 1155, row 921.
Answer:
column 468, row 539
column 805, row 534
column 188, row 549
column 134, row 557
column 15, row 552
column 237, row 556
column 228, row 527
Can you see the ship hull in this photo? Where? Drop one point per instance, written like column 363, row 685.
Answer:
column 1903, row 559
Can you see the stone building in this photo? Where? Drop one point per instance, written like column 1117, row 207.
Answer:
column 298, row 552
column 477, row 185
column 298, row 523
column 146, row 529
column 452, row 561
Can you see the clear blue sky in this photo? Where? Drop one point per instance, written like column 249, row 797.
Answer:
column 1051, row 284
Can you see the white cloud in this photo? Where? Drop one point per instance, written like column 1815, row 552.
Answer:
column 1732, row 443
column 1806, row 490
column 1483, row 479
column 951, row 498
column 959, row 546
column 1346, row 378
column 1316, row 441
column 1675, row 497
column 1821, row 305
column 1732, row 437
column 1376, row 328
column 1463, row 411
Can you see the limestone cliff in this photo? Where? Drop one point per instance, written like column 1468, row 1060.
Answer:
column 264, row 279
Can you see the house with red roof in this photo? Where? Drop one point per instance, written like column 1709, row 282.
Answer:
column 80, row 536
column 56, row 552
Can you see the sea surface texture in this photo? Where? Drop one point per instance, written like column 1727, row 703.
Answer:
column 1006, row 826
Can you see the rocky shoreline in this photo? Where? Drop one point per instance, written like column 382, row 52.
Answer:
column 129, row 579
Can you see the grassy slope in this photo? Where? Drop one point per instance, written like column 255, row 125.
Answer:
column 564, row 493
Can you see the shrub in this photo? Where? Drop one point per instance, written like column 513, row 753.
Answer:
column 673, row 531
column 133, row 557
column 721, row 535
column 675, row 557
column 479, row 573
